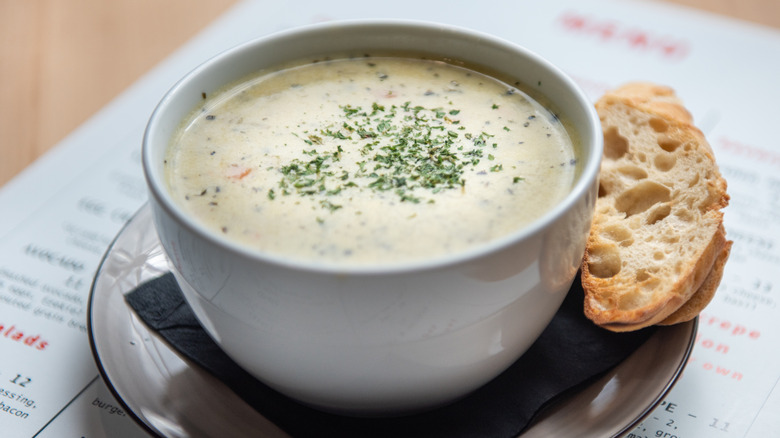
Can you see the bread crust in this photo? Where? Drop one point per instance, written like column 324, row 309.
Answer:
column 704, row 294
column 657, row 239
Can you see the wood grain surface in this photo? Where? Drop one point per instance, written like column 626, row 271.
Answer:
column 58, row 62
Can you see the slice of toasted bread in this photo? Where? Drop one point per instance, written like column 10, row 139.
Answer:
column 658, row 228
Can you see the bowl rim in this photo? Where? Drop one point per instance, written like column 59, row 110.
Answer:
column 588, row 175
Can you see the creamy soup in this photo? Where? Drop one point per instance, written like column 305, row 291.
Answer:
column 370, row 160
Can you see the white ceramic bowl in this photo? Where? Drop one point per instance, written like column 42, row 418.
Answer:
column 377, row 340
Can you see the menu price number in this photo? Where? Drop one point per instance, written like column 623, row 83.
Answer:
column 754, row 295
column 76, row 283
column 720, row 425
column 14, row 402
column 20, row 380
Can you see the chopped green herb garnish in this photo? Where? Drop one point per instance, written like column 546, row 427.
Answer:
column 408, row 150
column 329, row 205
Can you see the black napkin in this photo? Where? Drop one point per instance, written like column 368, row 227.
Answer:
column 570, row 352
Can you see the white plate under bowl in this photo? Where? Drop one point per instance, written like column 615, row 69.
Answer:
column 164, row 393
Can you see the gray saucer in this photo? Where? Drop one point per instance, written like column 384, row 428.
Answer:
column 171, row 398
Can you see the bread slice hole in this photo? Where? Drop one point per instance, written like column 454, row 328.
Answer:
column 694, row 180
column 659, row 125
column 664, row 162
column 641, row 197
column 634, row 300
column 604, row 261
column 669, row 144
column 671, row 239
column 658, row 214
column 641, row 275
column 602, row 191
column 618, row 233
column 633, row 172
column 684, row 215
column 615, row 145
column 650, row 284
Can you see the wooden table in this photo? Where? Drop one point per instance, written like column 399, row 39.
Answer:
column 54, row 74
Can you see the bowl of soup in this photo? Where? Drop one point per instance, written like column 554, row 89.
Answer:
column 374, row 217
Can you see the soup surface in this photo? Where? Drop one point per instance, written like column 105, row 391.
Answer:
column 369, row 160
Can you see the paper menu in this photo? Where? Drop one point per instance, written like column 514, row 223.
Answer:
column 60, row 215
